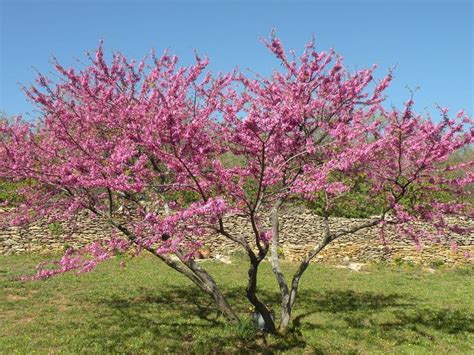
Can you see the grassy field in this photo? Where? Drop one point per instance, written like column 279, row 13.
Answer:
column 145, row 307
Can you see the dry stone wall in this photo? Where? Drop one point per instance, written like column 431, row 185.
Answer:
column 43, row 237
column 300, row 231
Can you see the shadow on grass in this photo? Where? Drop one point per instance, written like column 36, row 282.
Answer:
column 188, row 320
column 390, row 316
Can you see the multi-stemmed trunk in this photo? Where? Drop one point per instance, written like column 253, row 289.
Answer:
column 288, row 292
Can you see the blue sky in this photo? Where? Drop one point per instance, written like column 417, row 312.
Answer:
column 429, row 42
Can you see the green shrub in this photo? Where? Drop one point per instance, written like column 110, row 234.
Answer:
column 245, row 329
column 56, row 228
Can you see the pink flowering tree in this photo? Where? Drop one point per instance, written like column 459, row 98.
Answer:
column 163, row 153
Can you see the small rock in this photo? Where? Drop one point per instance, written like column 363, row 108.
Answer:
column 223, row 259
column 355, row 266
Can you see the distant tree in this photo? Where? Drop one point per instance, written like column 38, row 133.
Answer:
column 8, row 189
column 164, row 153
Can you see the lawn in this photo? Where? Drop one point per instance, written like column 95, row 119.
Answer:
column 145, row 307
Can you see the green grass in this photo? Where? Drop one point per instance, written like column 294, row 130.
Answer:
column 145, row 307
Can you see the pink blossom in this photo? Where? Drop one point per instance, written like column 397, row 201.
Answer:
column 164, row 152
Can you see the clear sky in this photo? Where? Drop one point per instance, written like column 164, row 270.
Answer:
column 429, row 41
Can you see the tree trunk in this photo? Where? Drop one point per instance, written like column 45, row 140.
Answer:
column 285, row 318
column 280, row 277
column 192, row 271
column 252, row 297
column 290, row 299
column 327, row 239
column 210, row 287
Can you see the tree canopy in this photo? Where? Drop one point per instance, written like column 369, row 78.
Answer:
column 162, row 152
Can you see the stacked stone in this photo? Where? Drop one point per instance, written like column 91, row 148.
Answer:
column 40, row 238
column 301, row 230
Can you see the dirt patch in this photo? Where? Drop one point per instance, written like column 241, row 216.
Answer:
column 16, row 298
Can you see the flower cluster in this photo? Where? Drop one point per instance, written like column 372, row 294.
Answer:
column 162, row 152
